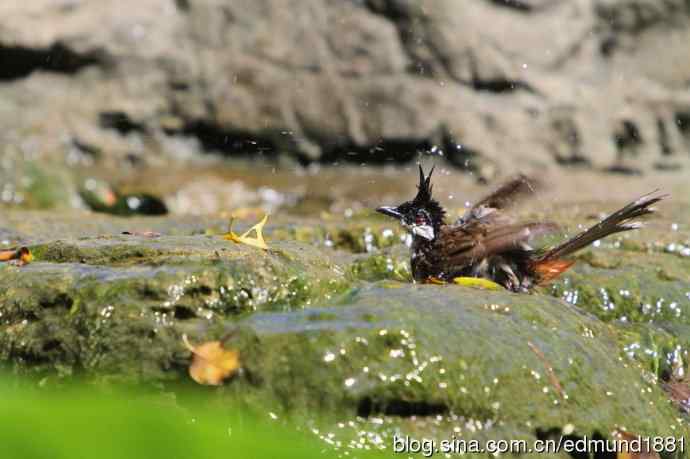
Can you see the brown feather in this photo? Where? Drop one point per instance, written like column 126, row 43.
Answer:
column 510, row 192
column 548, row 270
column 617, row 222
column 462, row 248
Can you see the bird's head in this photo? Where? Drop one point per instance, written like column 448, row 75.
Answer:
column 422, row 216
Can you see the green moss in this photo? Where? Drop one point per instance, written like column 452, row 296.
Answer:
column 353, row 236
column 453, row 357
column 633, row 246
column 597, row 260
column 43, row 188
column 664, row 275
column 380, row 267
column 99, row 305
column 103, row 254
column 321, row 316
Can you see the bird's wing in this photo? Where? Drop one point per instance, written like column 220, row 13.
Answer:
column 511, row 192
column 462, row 248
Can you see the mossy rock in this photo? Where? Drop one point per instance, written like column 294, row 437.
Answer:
column 120, row 304
column 519, row 365
column 332, row 335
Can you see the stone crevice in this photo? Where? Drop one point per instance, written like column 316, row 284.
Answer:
column 18, row 61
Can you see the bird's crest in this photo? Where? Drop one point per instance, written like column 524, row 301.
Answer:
column 424, row 198
column 424, row 187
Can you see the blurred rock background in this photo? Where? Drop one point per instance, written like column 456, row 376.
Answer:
column 490, row 85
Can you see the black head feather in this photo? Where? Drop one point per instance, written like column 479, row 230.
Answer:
column 423, row 205
column 425, row 200
column 424, row 188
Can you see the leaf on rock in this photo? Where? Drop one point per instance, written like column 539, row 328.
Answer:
column 20, row 256
column 636, row 446
column 257, row 241
column 7, row 255
column 211, row 362
column 477, row 282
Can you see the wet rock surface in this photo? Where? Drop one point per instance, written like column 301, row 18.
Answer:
column 333, row 336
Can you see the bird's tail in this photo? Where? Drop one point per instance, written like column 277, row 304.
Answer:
column 551, row 264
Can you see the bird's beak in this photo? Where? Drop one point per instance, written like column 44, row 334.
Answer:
column 390, row 211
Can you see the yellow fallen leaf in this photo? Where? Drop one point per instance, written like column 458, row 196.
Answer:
column 212, row 363
column 258, row 241
column 25, row 256
column 477, row 282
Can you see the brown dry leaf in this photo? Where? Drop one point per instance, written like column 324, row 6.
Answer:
column 257, row 241
column 20, row 256
column 632, row 453
column 212, row 363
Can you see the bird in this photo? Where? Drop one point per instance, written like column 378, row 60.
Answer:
column 488, row 243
